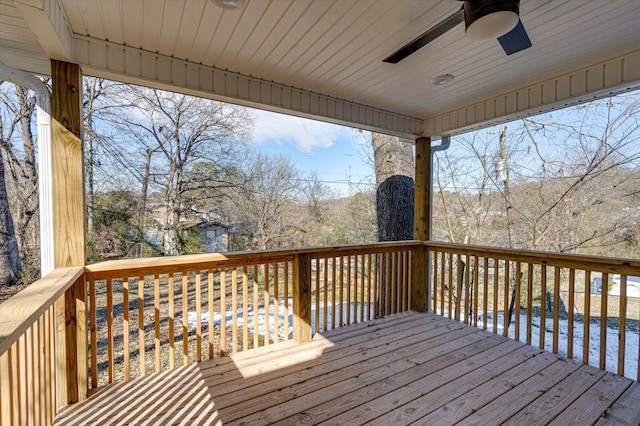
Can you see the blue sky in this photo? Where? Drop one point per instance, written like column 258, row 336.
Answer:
column 334, row 152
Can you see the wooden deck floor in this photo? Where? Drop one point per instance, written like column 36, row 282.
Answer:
column 404, row 369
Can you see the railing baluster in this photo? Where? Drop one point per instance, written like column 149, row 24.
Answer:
column 466, row 289
column 323, row 292
column 434, row 282
column 125, row 327
column 94, row 334
column 622, row 325
column 276, row 305
column 172, row 322
column 198, row 316
column 459, row 279
column 234, row 309
column 185, row 323
column 442, row 281
column 517, row 301
column 603, row 320
column 286, row 300
column 505, row 303
column 245, row 308
column 362, row 288
column 110, row 330
column 317, row 324
column 333, row 293
column 543, row 304
column 223, row 311
column 267, row 304
column 256, row 293
column 341, row 309
column 476, row 277
column 529, row 301
column 349, row 283
column 210, row 299
column 450, row 282
column 556, row 308
column 571, row 310
column 496, row 268
column 586, row 336
column 156, row 320
column 485, row 295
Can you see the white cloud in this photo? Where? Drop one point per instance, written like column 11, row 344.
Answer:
column 303, row 134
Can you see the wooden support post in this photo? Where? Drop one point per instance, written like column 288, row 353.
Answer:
column 67, row 183
column 302, row 298
column 422, row 223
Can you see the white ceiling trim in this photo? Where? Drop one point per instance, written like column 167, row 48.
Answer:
column 603, row 79
column 114, row 61
column 47, row 21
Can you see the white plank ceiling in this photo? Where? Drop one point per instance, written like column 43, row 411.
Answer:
column 335, row 48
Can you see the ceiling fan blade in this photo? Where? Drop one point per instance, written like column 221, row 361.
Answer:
column 515, row 40
column 426, row 37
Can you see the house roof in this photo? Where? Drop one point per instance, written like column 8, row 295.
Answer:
column 323, row 59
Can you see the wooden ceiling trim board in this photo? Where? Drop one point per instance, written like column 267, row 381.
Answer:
column 334, row 36
column 246, row 27
column 261, row 33
column 319, row 35
column 91, row 23
column 351, row 55
column 131, row 14
column 228, row 22
column 112, row 23
column 151, row 18
column 204, row 36
column 280, row 30
column 170, row 26
column 296, row 32
column 190, row 23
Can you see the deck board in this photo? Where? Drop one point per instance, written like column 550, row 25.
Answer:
column 403, row 369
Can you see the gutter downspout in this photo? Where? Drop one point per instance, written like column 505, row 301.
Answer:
column 445, row 143
column 43, row 108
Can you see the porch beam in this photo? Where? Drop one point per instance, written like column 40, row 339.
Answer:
column 47, row 21
column 422, row 224
column 135, row 66
column 67, row 184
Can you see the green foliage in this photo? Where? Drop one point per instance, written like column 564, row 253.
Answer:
column 190, row 242
column 115, row 231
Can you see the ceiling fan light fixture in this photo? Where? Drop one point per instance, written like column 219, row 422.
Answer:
column 439, row 80
column 489, row 19
column 230, row 4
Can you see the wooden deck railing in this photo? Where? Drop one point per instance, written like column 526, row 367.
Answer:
column 42, row 351
column 146, row 315
column 149, row 315
column 547, row 294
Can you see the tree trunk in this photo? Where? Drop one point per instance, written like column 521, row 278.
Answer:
column 9, row 257
column 395, row 187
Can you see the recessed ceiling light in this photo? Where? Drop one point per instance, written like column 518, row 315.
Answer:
column 230, row 4
column 439, row 80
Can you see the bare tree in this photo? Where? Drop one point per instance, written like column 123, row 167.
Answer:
column 18, row 146
column 266, row 199
column 177, row 134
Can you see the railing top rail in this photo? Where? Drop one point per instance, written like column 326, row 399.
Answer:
column 577, row 261
column 162, row 265
column 20, row 311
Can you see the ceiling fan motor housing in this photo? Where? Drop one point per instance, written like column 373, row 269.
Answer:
column 485, row 10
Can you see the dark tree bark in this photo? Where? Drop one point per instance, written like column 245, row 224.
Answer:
column 9, row 257
column 395, row 187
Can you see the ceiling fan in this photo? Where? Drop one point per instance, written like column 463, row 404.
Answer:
column 483, row 19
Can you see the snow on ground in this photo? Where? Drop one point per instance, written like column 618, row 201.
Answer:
column 217, row 317
column 631, row 346
column 632, row 338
